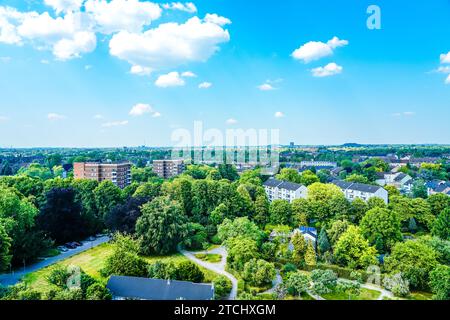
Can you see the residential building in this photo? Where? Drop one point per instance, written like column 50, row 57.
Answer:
column 118, row 173
column 168, row 168
column 400, row 180
column 277, row 189
column 134, row 288
column 438, row 186
column 309, row 233
column 353, row 190
column 327, row 164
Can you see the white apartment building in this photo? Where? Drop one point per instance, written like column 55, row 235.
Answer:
column 277, row 189
column 362, row 191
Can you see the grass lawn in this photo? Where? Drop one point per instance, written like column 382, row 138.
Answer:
column 304, row 295
column 366, row 294
column 209, row 257
column 420, row 295
column 92, row 261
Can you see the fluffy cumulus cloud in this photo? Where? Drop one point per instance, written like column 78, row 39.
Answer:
column 71, row 31
column 445, row 57
column 205, row 85
column 188, row 74
column 55, row 117
column 314, row 50
column 330, row 69
column 64, row 5
column 279, row 114
column 231, row 121
column 170, row 44
column 172, row 79
column 122, row 15
column 266, row 87
column 187, row 7
column 140, row 71
column 141, row 109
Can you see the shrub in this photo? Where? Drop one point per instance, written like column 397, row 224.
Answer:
column 222, row 287
column 189, row 271
column 97, row 291
column 398, row 284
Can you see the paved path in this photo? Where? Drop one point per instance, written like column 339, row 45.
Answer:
column 9, row 279
column 275, row 283
column 215, row 267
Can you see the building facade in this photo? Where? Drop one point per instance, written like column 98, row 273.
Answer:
column 117, row 173
column 168, row 168
column 362, row 191
column 277, row 189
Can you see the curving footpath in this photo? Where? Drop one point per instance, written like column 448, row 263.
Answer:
column 215, row 267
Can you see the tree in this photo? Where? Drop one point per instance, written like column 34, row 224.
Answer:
column 5, row 244
column 438, row 202
column 222, row 287
column 300, row 211
column 326, row 201
column 419, row 190
column 412, row 225
column 93, row 220
column 229, row 172
column 358, row 209
column 196, row 236
column 308, row 177
column 414, row 259
column 288, row 174
column 161, row 226
column 162, row 270
column 310, row 255
column 357, row 178
column 259, row 272
column 324, row 281
column 214, row 175
column 261, row 216
column 337, row 229
column 60, row 216
column 240, row 251
column 148, row 190
column 125, row 260
column 107, row 195
column 297, row 283
column 398, row 284
column 382, row 225
column 189, row 271
column 352, row 288
column 392, row 191
column 323, row 244
column 123, row 217
column 299, row 248
column 441, row 226
column 280, row 212
column 353, row 251
column 96, row 291
column 240, row 227
column 440, row 282
column 376, row 202
column 218, row 214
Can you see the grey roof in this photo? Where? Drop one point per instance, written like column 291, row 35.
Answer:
column 282, row 184
column 344, row 185
column 400, row 176
column 158, row 289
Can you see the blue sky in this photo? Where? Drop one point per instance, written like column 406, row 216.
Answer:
column 66, row 77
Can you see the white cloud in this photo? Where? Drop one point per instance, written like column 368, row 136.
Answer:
column 404, row 114
column 115, row 124
column 98, row 117
column 231, row 121
column 279, row 114
column 187, row 7
column 64, row 5
column 170, row 44
column 216, row 19
column 55, row 117
column 443, row 69
column 172, row 79
column 10, row 18
column 141, row 108
column 205, row 85
column 122, row 15
column 82, row 42
column 447, row 81
column 445, row 57
column 266, row 87
column 330, row 69
column 314, row 50
column 140, row 71
column 188, row 74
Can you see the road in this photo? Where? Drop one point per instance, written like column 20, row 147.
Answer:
column 8, row 279
column 215, row 267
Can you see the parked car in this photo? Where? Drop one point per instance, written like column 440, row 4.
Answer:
column 70, row 245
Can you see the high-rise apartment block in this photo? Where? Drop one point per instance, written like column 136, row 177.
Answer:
column 168, row 168
column 117, row 173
